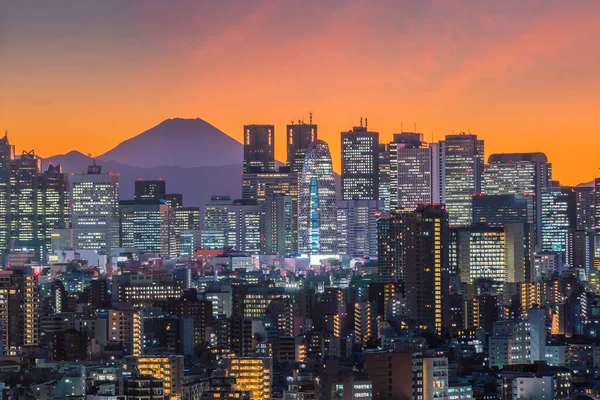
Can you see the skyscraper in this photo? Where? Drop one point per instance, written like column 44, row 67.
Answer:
column 499, row 210
column 558, row 215
column 463, row 165
column 54, row 207
column 95, row 210
column 244, row 224
column 147, row 225
column 357, row 227
column 390, row 246
column 360, row 164
column 214, row 234
column 412, row 184
column 317, row 202
column 299, row 137
column 150, row 190
column 585, row 198
column 524, row 175
column 384, row 177
column 259, row 148
column 279, row 225
column 426, row 252
column 24, row 189
column 7, row 154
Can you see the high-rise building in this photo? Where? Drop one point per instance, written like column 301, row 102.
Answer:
column 360, row 164
column 558, row 215
column 24, row 202
column 279, row 225
column 299, row 137
column 174, row 199
column 525, row 175
column 214, row 234
column 186, row 227
column 259, row 186
column 54, row 206
column 499, row 210
column 95, row 210
column 317, row 202
column 357, row 227
column 426, row 252
column 580, row 249
column 384, row 177
column 410, row 171
column 244, row 224
column 149, row 226
column 462, row 159
column 259, row 148
column 125, row 327
column 585, row 198
column 390, row 246
column 7, row 155
column 150, row 190
column 365, row 322
column 20, row 310
column 251, row 374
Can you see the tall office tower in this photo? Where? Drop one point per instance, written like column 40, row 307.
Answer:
column 95, row 210
column 54, row 205
column 357, row 227
column 585, row 198
column 410, row 171
column 525, row 175
column 279, row 225
column 299, row 137
column 259, row 186
column 147, row 225
column 390, row 250
column 317, row 214
column 384, row 176
column 7, row 155
column 186, row 227
column 581, row 249
column 259, row 148
column 482, row 254
column 499, row 210
column 251, row 374
column 558, row 215
column 425, row 242
column 168, row 368
column 216, row 225
column 150, row 190
column 19, row 314
column 174, row 199
column 360, row 164
column 244, row 224
column 463, row 165
column 24, row 190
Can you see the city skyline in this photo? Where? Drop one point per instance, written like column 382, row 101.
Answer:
column 519, row 76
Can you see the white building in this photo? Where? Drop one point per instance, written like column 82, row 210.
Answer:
column 533, row 388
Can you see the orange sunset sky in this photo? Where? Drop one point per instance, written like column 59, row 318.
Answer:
column 524, row 75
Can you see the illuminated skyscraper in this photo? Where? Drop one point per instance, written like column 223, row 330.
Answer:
column 149, row 226
column 7, row 154
column 150, row 190
column 54, row 207
column 384, row 176
column 357, row 227
column 558, row 215
column 524, row 175
column 425, row 242
column 413, row 171
column 214, row 234
column 462, row 157
column 259, row 148
column 280, row 236
column 299, row 137
column 390, row 246
column 244, row 224
column 25, row 201
column 585, row 198
column 317, row 202
column 95, row 210
column 360, row 164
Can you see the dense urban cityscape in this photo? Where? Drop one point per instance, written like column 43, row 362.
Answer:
column 424, row 271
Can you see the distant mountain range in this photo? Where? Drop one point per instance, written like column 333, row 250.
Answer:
column 192, row 156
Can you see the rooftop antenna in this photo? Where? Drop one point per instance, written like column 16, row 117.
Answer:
column 366, row 122
column 292, row 122
column 310, row 117
column 361, row 121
